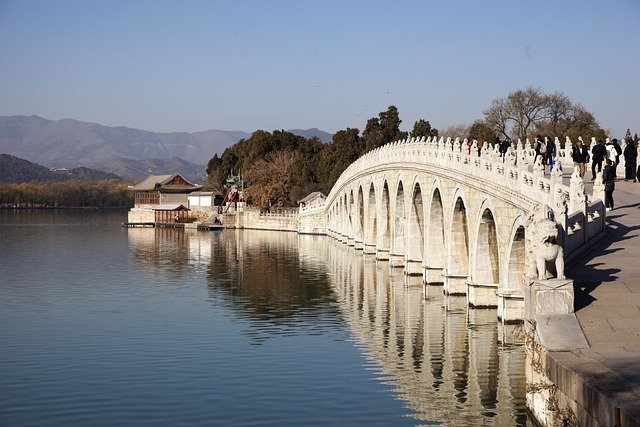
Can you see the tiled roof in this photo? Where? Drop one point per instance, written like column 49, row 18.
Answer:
column 170, row 207
column 312, row 196
column 152, row 182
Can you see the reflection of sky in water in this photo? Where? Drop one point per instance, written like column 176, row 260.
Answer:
column 112, row 325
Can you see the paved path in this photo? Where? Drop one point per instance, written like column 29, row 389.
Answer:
column 607, row 295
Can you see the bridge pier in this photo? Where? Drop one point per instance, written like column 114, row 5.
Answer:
column 382, row 254
column 413, row 267
column 482, row 295
column 455, row 284
column 369, row 249
column 510, row 306
column 455, row 303
column 433, row 275
column 396, row 260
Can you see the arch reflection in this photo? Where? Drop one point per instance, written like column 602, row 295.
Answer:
column 443, row 359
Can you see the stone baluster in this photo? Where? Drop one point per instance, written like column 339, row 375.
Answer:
column 484, row 149
column 457, row 148
column 578, row 194
column 598, row 187
column 538, row 168
column 522, row 162
column 556, row 172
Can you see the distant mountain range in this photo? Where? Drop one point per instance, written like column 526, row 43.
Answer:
column 70, row 143
column 136, row 170
column 16, row 170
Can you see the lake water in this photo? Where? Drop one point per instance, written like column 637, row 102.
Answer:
column 104, row 325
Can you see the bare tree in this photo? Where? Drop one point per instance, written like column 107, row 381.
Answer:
column 526, row 108
column 527, row 111
column 269, row 180
column 498, row 117
column 455, row 131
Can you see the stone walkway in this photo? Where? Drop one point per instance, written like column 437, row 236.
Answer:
column 607, row 303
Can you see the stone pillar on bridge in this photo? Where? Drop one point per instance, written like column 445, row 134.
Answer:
column 396, row 260
column 382, row 254
column 413, row 267
column 433, row 276
column 455, row 284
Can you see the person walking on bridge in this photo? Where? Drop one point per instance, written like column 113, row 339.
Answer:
column 630, row 160
column 597, row 156
column 550, row 156
column 609, row 181
column 580, row 156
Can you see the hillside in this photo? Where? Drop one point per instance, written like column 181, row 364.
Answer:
column 309, row 133
column 136, row 170
column 16, row 170
column 69, row 143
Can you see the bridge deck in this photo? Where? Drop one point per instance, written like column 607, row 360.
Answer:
column 607, row 292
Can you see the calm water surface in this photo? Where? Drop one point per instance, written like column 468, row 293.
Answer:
column 102, row 325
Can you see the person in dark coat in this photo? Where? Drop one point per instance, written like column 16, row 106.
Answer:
column 551, row 151
column 630, row 160
column 609, row 181
column 598, row 153
column 617, row 153
column 503, row 147
column 580, row 156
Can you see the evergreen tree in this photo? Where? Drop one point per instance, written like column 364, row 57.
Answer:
column 422, row 128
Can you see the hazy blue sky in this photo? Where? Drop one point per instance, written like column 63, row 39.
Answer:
column 247, row 65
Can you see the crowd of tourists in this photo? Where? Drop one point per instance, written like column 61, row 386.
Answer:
column 604, row 157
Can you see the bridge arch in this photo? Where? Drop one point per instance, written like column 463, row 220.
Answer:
column 399, row 243
column 384, row 238
column 458, row 247
column 416, row 228
column 359, row 238
column 435, row 249
column 371, row 232
column 515, row 266
column 486, row 265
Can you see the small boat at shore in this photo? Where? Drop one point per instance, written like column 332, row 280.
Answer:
column 211, row 226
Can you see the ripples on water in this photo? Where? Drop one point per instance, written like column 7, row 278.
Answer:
column 102, row 325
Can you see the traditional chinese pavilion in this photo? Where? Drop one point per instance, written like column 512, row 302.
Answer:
column 162, row 199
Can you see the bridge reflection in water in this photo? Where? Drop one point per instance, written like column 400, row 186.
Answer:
column 444, row 359
column 448, row 362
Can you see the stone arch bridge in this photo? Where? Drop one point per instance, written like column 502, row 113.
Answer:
column 437, row 209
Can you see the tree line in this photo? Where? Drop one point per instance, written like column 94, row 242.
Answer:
column 280, row 168
column 67, row 194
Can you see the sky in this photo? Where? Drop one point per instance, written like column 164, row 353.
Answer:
column 168, row 66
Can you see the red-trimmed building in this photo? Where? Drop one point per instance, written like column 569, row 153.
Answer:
column 161, row 198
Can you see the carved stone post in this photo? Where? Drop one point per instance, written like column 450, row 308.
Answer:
column 598, row 187
column 578, row 194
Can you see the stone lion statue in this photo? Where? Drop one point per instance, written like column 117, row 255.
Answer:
column 546, row 252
